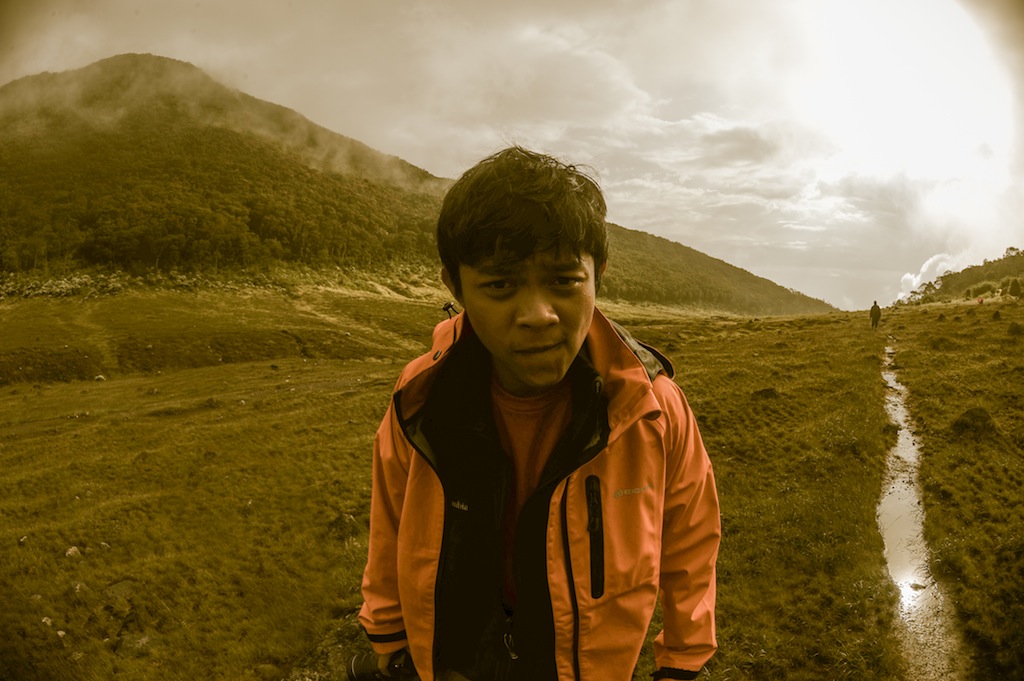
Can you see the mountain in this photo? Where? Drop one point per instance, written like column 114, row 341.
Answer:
column 103, row 93
column 145, row 162
column 648, row 268
column 1001, row 277
column 142, row 162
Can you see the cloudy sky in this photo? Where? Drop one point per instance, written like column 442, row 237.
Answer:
column 849, row 149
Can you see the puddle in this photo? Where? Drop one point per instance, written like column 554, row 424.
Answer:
column 931, row 641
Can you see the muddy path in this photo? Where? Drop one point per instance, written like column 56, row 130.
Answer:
column 931, row 641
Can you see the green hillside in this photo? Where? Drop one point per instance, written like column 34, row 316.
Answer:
column 993, row 278
column 650, row 268
column 141, row 163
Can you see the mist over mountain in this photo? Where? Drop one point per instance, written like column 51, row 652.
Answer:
column 141, row 162
column 103, row 93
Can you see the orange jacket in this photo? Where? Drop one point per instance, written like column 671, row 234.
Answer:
column 629, row 507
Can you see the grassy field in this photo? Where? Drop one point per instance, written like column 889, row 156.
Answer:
column 791, row 412
column 201, row 511
column 964, row 367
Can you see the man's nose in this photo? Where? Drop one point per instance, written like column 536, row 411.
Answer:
column 535, row 309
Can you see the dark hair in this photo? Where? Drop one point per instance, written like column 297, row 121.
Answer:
column 516, row 203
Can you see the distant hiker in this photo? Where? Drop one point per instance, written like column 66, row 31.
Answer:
column 539, row 481
column 876, row 315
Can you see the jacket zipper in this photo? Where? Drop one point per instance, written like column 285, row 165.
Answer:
column 591, row 450
column 571, row 582
column 595, row 527
column 442, row 553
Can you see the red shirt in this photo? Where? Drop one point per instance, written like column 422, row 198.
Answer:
column 529, row 428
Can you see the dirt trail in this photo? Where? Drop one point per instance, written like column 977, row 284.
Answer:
column 931, row 641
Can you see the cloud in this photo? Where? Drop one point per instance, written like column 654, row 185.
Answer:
column 739, row 145
column 933, row 267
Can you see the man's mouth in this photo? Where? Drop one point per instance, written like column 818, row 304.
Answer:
column 537, row 349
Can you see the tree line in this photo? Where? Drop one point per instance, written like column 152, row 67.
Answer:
column 1002, row 275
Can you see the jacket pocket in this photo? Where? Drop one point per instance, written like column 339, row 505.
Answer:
column 595, row 528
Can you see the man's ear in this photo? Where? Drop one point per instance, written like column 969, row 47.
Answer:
column 599, row 275
column 446, row 277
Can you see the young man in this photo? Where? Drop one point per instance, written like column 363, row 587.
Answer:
column 538, row 477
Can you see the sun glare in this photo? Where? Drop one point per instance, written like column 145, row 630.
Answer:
column 906, row 88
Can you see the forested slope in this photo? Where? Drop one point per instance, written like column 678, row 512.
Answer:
column 1000, row 277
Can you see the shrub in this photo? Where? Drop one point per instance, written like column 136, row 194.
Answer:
column 943, row 344
column 975, row 423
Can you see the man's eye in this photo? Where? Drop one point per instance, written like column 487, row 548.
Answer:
column 567, row 281
column 498, row 285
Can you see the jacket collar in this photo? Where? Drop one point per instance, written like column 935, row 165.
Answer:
column 626, row 366
column 628, row 369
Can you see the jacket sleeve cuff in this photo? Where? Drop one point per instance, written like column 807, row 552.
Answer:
column 670, row 673
column 385, row 644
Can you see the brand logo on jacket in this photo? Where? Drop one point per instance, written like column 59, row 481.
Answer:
column 632, row 490
column 461, row 505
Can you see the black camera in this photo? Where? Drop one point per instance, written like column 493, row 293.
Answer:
column 399, row 668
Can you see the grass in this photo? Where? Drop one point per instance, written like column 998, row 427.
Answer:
column 964, row 369
column 216, row 484
column 791, row 413
column 218, row 512
column 215, row 517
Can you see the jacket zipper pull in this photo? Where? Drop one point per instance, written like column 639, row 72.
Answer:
column 510, row 643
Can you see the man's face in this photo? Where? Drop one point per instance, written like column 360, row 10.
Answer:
column 532, row 316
